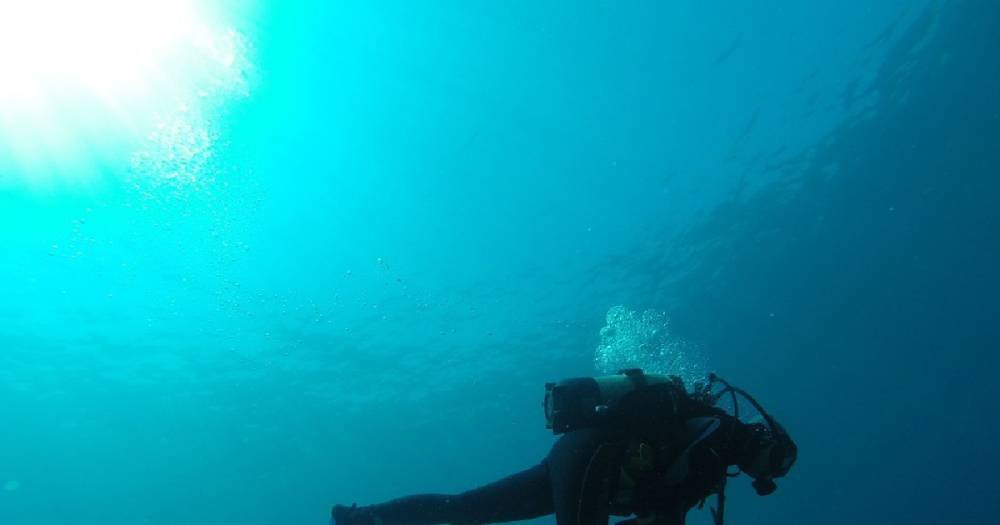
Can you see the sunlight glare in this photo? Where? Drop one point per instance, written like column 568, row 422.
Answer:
column 78, row 75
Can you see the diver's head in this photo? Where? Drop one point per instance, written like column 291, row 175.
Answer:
column 769, row 453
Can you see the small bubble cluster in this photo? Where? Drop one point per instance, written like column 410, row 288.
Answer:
column 180, row 151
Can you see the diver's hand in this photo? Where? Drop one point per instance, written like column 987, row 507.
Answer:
column 344, row 515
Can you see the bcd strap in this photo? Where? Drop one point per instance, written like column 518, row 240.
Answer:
column 719, row 510
column 637, row 376
column 597, row 489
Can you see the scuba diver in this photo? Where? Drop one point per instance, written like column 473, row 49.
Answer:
column 632, row 444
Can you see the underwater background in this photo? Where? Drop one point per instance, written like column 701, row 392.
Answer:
column 335, row 251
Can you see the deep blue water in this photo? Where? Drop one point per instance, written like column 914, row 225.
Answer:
column 346, row 270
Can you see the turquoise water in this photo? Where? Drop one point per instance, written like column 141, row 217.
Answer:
column 330, row 252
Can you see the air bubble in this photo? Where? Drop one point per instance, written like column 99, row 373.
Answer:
column 643, row 340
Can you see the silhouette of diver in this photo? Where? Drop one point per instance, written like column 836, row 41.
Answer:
column 632, row 444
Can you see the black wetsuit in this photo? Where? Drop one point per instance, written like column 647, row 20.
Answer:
column 563, row 483
column 554, row 485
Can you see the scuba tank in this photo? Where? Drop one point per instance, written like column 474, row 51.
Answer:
column 590, row 402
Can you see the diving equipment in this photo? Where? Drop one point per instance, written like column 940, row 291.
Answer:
column 589, row 402
column 771, row 451
column 762, row 451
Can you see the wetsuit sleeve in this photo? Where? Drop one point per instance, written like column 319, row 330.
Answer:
column 521, row 496
column 554, row 486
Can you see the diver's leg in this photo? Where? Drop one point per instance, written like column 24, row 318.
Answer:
column 522, row 496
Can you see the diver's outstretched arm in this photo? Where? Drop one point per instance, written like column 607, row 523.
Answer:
column 525, row 495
